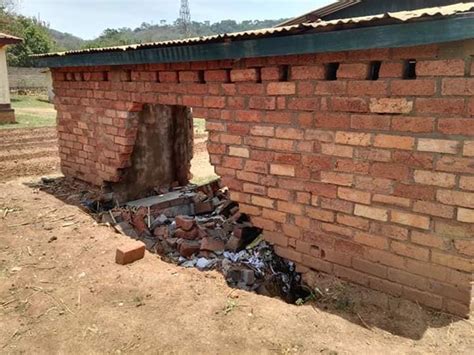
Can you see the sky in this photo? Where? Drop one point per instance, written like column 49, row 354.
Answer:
column 88, row 18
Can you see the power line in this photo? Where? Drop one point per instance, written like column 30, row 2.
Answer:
column 185, row 17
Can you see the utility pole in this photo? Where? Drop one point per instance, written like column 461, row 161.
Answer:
column 185, row 17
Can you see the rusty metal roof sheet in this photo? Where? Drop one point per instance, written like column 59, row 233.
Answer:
column 320, row 13
column 392, row 17
column 8, row 39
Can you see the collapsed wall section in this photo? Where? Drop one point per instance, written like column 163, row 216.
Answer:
column 358, row 164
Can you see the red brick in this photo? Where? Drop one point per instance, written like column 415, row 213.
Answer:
column 455, row 165
column 428, row 240
column 239, row 75
column 189, row 77
column 367, row 88
column 391, row 70
column 390, row 171
column 130, row 252
column 374, row 213
column 272, row 73
column 308, row 72
column 280, row 194
column 353, row 71
column 434, row 178
column 349, row 104
column 282, row 88
column 288, row 253
column 320, row 214
column 413, row 124
column 331, row 87
column 371, row 240
column 370, row 268
column 414, row 159
column 214, row 102
column 168, row 77
column 332, row 120
column 395, row 142
column 452, row 261
column 440, row 106
column 370, row 122
column 452, row 67
column 458, row 87
column 389, row 105
column 351, row 275
column 433, row 209
column 276, row 238
column 456, row 198
column 216, row 76
column 459, row 126
column 311, row 104
column 354, row 195
column 262, row 103
column 420, row 87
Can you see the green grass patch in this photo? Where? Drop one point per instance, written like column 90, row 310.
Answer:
column 199, row 126
column 31, row 112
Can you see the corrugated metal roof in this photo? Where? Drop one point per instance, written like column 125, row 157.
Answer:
column 394, row 17
column 7, row 39
column 320, row 13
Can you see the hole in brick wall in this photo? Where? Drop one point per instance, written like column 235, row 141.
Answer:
column 201, row 79
column 105, row 75
column 331, row 71
column 259, row 74
column 374, row 72
column 128, row 75
column 157, row 76
column 227, row 73
column 409, row 69
column 284, row 73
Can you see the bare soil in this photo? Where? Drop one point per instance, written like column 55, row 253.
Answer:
column 61, row 291
column 26, row 152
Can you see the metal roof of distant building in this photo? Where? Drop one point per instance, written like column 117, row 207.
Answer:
column 392, row 17
column 320, row 13
column 8, row 39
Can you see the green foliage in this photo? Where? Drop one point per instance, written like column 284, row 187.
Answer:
column 36, row 38
column 165, row 32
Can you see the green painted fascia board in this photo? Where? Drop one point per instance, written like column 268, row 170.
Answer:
column 387, row 36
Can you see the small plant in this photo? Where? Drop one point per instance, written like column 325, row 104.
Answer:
column 230, row 306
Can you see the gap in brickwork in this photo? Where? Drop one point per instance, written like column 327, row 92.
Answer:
column 128, row 76
column 105, row 75
column 201, row 77
column 374, row 72
column 258, row 71
column 284, row 73
column 409, row 69
column 331, row 71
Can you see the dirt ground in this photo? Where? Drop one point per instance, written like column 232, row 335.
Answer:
column 61, row 291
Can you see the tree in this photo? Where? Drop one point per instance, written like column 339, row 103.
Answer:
column 9, row 5
column 36, row 38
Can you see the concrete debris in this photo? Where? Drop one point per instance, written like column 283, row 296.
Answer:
column 198, row 226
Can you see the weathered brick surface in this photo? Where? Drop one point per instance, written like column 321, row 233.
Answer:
column 377, row 176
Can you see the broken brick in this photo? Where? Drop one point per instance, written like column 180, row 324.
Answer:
column 211, row 244
column 188, row 248
column 188, row 235
column 185, row 223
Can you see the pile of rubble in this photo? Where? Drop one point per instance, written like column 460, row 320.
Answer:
column 198, row 226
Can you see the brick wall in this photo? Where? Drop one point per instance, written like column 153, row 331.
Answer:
column 350, row 164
